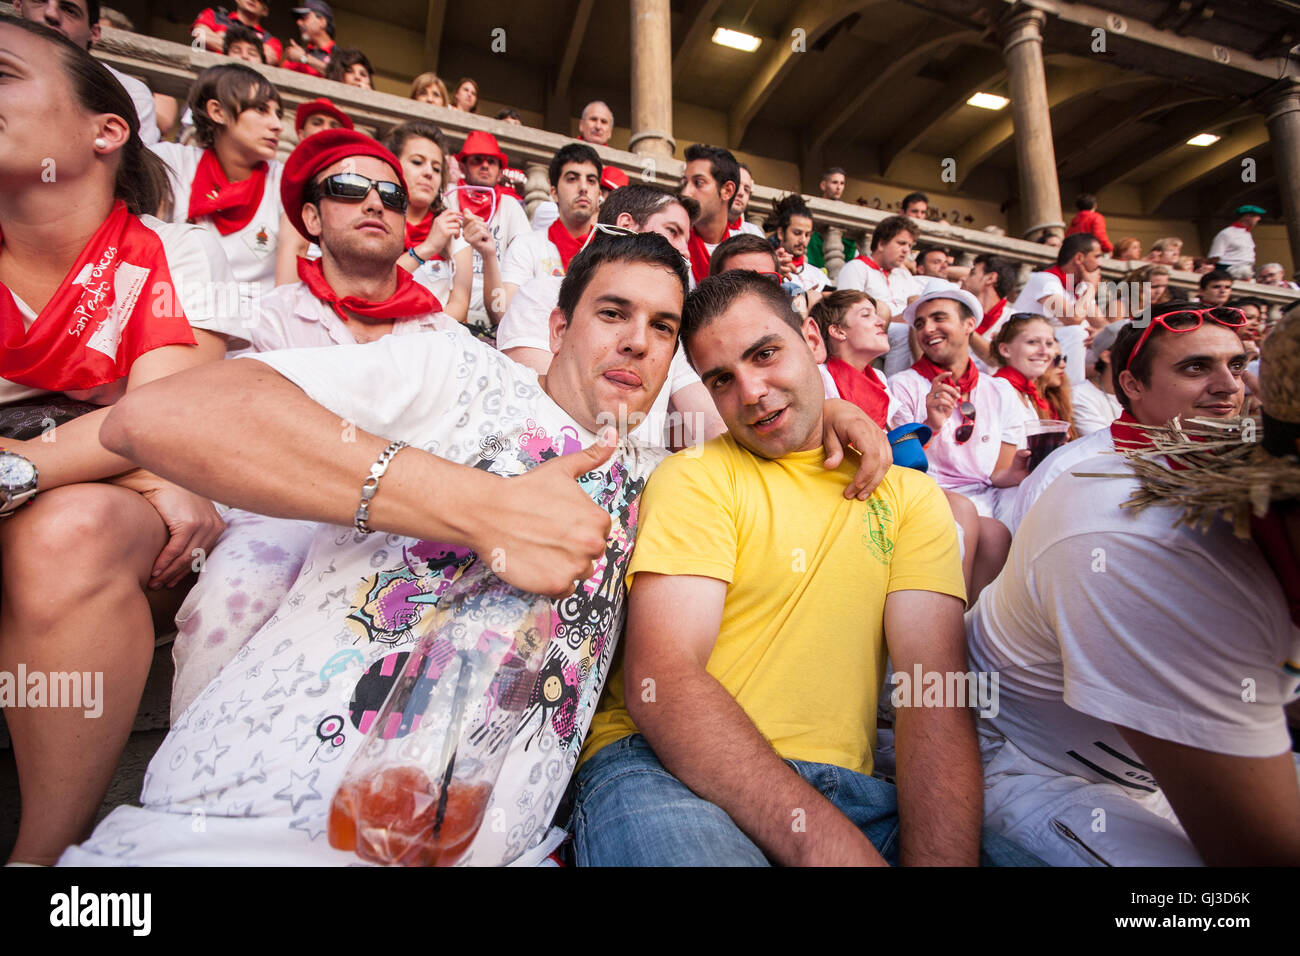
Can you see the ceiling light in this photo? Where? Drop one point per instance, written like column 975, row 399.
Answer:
column 736, row 40
column 1203, row 139
column 988, row 101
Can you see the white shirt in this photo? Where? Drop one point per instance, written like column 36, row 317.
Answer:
column 250, row 753
column 204, row 286
column 291, row 317
column 1052, row 467
column 753, row 230
column 251, row 250
column 142, row 97
column 810, row 277
column 833, row 391
column 508, row 221
column 1093, row 408
column 1234, row 246
column 545, row 214
column 1105, row 617
column 439, row 275
column 531, row 256
column 891, row 290
column 968, row 466
column 526, row 324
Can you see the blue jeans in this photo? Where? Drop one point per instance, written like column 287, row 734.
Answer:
column 630, row 811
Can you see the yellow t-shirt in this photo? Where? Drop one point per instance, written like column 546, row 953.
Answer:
column 801, row 645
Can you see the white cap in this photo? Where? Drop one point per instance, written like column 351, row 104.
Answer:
column 955, row 293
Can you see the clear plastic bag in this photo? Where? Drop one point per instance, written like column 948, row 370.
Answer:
column 416, row 791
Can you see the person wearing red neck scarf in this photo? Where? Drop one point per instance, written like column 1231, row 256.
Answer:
column 440, row 243
column 711, row 178
column 1122, row 705
column 352, row 293
column 736, row 221
column 1066, row 294
column 575, row 174
column 1023, row 349
column 976, row 421
column 1234, row 247
column 230, row 183
column 883, row 275
column 991, row 279
column 480, row 194
column 97, row 299
column 794, row 227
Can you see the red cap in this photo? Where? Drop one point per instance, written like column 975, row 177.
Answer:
column 611, row 177
column 321, row 151
column 479, row 143
column 319, row 105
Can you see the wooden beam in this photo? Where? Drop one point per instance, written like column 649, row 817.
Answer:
column 1170, row 137
column 813, row 17
column 1062, row 87
column 1085, row 15
column 840, row 111
column 1073, row 149
column 981, row 69
column 581, row 14
column 1248, row 135
column 433, row 22
column 700, row 19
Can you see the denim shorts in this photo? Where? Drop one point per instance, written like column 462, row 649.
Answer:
column 630, row 811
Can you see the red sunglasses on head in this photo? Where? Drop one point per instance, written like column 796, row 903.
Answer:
column 1188, row 320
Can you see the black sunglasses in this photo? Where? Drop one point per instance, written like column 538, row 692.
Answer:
column 353, row 187
column 967, row 426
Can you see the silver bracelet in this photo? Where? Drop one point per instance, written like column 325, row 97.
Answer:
column 370, row 487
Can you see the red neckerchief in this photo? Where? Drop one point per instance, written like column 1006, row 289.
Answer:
column 1238, row 225
column 231, row 205
column 1056, row 271
column 416, row 233
column 991, row 317
column 1024, row 386
column 965, row 384
column 734, row 225
column 479, row 204
column 863, row 389
column 798, row 261
column 568, row 246
column 1269, row 531
column 873, row 264
column 410, row 299
column 700, row 254
column 102, row 317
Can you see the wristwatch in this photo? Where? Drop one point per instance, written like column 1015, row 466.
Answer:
column 17, row 482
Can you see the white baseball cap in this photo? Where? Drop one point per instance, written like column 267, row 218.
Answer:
column 955, row 293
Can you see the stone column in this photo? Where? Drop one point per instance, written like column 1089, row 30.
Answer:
column 1283, row 117
column 1021, row 32
column 833, row 251
column 652, row 79
column 537, row 188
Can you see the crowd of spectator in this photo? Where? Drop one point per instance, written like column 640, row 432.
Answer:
column 784, row 498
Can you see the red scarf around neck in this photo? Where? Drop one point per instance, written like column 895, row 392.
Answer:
column 734, row 225
column 417, row 232
column 231, row 205
column 863, row 389
column 991, row 317
column 1056, row 271
column 102, row 317
column 700, row 254
column 1025, row 387
column 1269, row 532
column 480, row 204
column 568, row 245
column 409, row 300
column 965, row 384
column 798, row 261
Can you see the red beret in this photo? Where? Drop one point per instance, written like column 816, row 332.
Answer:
column 611, row 177
column 319, row 105
column 321, row 151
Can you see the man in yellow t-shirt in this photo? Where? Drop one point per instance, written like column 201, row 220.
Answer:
column 740, row 728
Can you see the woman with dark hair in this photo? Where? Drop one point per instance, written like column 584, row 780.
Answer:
column 441, row 242
column 349, row 65
column 97, row 298
column 465, row 98
column 230, row 183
